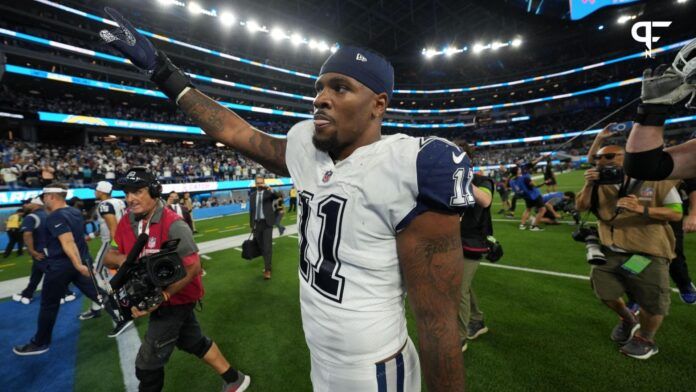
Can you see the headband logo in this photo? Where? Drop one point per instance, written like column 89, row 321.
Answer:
column 360, row 57
column 131, row 175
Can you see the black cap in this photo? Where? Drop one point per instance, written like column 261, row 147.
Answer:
column 136, row 178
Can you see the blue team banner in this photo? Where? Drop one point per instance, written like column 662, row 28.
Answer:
column 8, row 198
column 581, row 8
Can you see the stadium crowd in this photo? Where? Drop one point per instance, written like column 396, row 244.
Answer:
column 36, row 164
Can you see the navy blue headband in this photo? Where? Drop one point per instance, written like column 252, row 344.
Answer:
column 363, row 65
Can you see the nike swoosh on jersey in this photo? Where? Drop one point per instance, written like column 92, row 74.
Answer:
column 458, row 158
column 56, row 226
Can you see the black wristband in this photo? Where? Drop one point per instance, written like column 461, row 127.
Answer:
column 652, row 114
column 170, row 79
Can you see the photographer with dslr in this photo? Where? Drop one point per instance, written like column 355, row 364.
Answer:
column 172, row 320
column 637, row 244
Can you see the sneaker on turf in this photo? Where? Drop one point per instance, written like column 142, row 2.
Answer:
column 535, row 228
column 281, row 230
column 476, row 329
column 21, row 299
column 89, row 314
column 523, row 227
column 120, row 327
column 30, row 349
column 624, row 331
column 69, row 297
column 639, row 348
column 240, row 385
column 688, row 294
column 465, row 345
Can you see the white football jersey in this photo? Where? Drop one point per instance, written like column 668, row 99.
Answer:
column 117, row 207
column 351, row 289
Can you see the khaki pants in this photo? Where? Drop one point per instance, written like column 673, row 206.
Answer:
column 468, row 306
column 650, row 288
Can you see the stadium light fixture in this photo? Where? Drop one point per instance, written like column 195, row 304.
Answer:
column 277, row 34
column 195, row 8
column 296, row 39
column 478, row 48
column 323, row 46
column 496, row 45
column 682, row 1
column 313, row 44
column 600, row 27
column 450, row 50
column 164, row 2
column 625, row 18
column 429, row 53
column 334, row 48
column 227, row 19
column 252, row 26
column 517, row 42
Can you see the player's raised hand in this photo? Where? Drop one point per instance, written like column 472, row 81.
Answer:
column 127, row 40
column 664, row 86
column 139, row 50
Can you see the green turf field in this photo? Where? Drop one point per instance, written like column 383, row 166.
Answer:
column 547, row 333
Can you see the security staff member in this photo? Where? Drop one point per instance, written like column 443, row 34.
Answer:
column 14, row 235
column 261, row 220
column 638, row 244
column 67, row 260
column 173, row 322
column 35, row 235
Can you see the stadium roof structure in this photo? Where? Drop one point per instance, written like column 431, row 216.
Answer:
column 401, row 29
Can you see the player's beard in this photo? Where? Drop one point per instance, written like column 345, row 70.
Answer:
column 329, row 144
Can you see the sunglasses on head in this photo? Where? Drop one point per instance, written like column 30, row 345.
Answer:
column 609, row 156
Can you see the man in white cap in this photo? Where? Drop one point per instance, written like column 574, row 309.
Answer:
column 67, row 261
column 109, row 212
column 35, row 233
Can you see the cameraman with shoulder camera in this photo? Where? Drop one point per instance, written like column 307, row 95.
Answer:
column 637, row 243
column 172, row 322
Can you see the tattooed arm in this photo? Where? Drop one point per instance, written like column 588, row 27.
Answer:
column 228, row 128
column 430, row 254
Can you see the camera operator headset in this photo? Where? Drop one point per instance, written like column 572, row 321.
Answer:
column 172, row 322
column 637, row 243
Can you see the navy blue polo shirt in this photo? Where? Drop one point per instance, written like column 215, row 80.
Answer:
column 36, row 224
column 62, row 221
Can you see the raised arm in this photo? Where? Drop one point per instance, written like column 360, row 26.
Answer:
column 228, row 128
column 217, row 121
column 597, row 142
column 646, row 158
column 431, row 258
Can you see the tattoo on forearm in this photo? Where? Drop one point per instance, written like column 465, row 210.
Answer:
column 437, row 266
column 227, row 127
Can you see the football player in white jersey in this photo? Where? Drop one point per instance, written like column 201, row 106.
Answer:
column 109, row 212
column 378, row 219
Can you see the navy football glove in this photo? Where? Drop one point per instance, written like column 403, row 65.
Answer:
column 140, row 51
column 127, row 40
